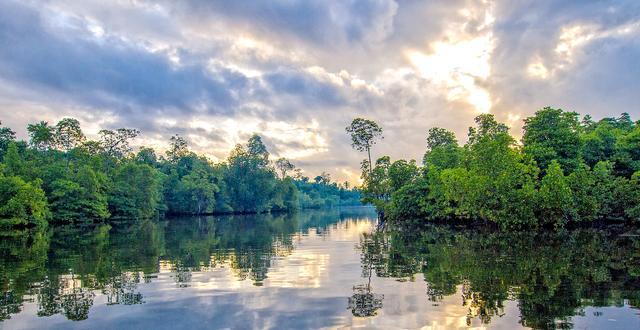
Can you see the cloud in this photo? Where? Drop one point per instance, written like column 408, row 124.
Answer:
column 328, row 23
column 298, row 72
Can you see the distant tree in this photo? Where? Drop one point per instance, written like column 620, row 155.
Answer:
column 117, row 143
column 257, row 149
column 556, row 198
column 178, row 148
column 41, row 135
column 6, row 137
column 323, row 178
column 442, row 149
column 147, row 156
column 284, row 165
column 22, row 203
column 137, row 192
column 68, row 134
column 553, row 134
column 81, row 198
column 486, row 128
column 364, row 134
column 298, row 174
column 440, row 137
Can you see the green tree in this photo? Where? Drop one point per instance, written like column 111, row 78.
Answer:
column 284, row 165
column 257, row 149
column 117, row 143
column 249, row 181
column 200, row 187
column 401, row 173
column 6, row 136
column 583, row 183
column 178, row 148
column 555, row 197
column 14, row 165
column 136, row 192
column 553, row 134
column 22, row 203
column 147, row 156
column 41, row 135
column 364, row 134
column 442, row 149
column 81, row 199
column 68, row 134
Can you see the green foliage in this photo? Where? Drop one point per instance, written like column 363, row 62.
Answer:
column 552, row 134
column 68, row 134
column 41, row 135
column 22, row 203
column 79, row 198
column 564, row 171
column 442, row 149
column 136, row 192
column 116, row 143
column 552, row 275
column 555, row 197
column 364, row 133
column 86, row 181
column 253, row 183
column 6, row 137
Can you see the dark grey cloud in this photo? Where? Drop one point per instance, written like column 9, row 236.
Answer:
column 329, row 23
column 109, row 73
column 313, row 93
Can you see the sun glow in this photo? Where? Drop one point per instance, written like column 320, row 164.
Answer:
column 459, row 63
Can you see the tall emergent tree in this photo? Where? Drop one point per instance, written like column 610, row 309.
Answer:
column 178, row 148
column 364, row 133
column 116, row 143
column 41, row 135
column 6, row 137
column 284, row 165
column 68, row 134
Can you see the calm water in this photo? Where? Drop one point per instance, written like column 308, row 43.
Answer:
column 319, row 269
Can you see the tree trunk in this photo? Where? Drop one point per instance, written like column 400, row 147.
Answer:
column 370, row 165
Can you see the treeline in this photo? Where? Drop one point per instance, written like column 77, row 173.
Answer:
column 60, row 176
column 564, row 170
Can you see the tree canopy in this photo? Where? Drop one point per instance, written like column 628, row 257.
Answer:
column 564, row 170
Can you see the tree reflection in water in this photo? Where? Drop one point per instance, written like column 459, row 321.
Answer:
column 122, row 289
column 64, row 267
column 363, row 302
column 552, row 276
column 65, row 295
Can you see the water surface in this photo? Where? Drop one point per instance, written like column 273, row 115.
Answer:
column 316, row 269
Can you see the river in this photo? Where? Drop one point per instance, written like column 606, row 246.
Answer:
column 316, row 269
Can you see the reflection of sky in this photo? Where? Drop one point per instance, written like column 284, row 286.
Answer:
column 305, row 289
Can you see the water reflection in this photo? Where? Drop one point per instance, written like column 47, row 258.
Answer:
column 300, row 270
column 552, row 276
column 364, row 302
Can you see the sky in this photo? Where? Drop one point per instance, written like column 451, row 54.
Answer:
column 298, row 71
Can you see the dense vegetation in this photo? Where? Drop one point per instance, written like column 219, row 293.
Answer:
column 564, row 170
column 60, row 176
